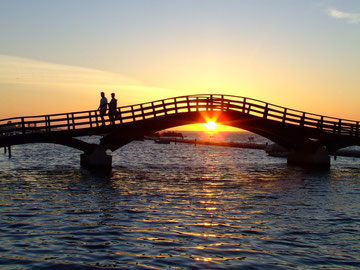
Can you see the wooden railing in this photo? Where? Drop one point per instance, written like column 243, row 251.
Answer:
column 91, row 119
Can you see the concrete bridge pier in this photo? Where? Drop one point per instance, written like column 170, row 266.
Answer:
column 97, row 159
column 310, row 154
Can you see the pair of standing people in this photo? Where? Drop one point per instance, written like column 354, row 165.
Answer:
column 112, row 108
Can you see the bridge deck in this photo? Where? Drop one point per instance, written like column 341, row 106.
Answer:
column 85, row 120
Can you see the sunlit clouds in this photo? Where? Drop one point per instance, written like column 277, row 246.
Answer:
column 353, row 18
column 36, row 87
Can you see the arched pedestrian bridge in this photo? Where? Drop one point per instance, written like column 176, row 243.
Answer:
column 310, row 138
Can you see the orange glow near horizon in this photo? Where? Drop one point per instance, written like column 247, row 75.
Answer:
column 202, row 127
column 210, row 123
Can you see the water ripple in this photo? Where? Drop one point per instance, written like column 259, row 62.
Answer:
column 176, row 207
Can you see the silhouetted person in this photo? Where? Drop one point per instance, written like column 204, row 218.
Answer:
column 102, row 107
column 112, row 109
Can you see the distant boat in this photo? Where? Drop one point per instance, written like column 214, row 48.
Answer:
column 162, row 141
column 167, row 137
column 172, row 134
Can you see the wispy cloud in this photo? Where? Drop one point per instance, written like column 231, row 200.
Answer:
column 16, row 70
column 30, row 87
column 347, row 16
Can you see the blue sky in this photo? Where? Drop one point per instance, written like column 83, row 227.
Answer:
column 280, row 51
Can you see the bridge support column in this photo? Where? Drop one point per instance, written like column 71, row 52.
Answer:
column 316, row 157
column 97, row 159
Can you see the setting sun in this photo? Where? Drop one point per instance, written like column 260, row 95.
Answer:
column 210, row 126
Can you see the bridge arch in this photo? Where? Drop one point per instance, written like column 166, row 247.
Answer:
column 133, row 131
column 290, row 128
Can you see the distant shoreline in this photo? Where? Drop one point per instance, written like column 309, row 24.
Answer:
column 203, row 142
column 246, row 145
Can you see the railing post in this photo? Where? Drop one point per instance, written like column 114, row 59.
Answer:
column 244, row 103
column 284, row 115
column 322, row 122
column 73, row 120
column 266, row 109
column 142, row 111
column 119, row 115
column 68, row 121
column 197, row 104
column 302, row 121
column 357, row 129
column 96, row 119
column 164, row 106
column 339, row 129
column 211, row 103
column 47, row 123
column 133, row 113
column 188, row 103
column 153, row 107
column 352, row 130
column 176, row 110
column 22, row 125
column 249, row 109
column 90, row 120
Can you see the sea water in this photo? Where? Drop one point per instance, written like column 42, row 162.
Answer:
column 177, row 206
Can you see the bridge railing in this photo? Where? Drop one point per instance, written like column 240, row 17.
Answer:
column 192, row 103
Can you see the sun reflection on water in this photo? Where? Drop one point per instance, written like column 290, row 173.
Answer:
column 176, row 206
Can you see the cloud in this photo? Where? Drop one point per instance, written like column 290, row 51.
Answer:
column 32, row 87
column 16, row 70
column 353, row 18
column 33, row 74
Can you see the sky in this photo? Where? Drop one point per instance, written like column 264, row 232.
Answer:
column 57, row 56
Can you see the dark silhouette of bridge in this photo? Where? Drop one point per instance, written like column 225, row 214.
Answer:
column 310, row 138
